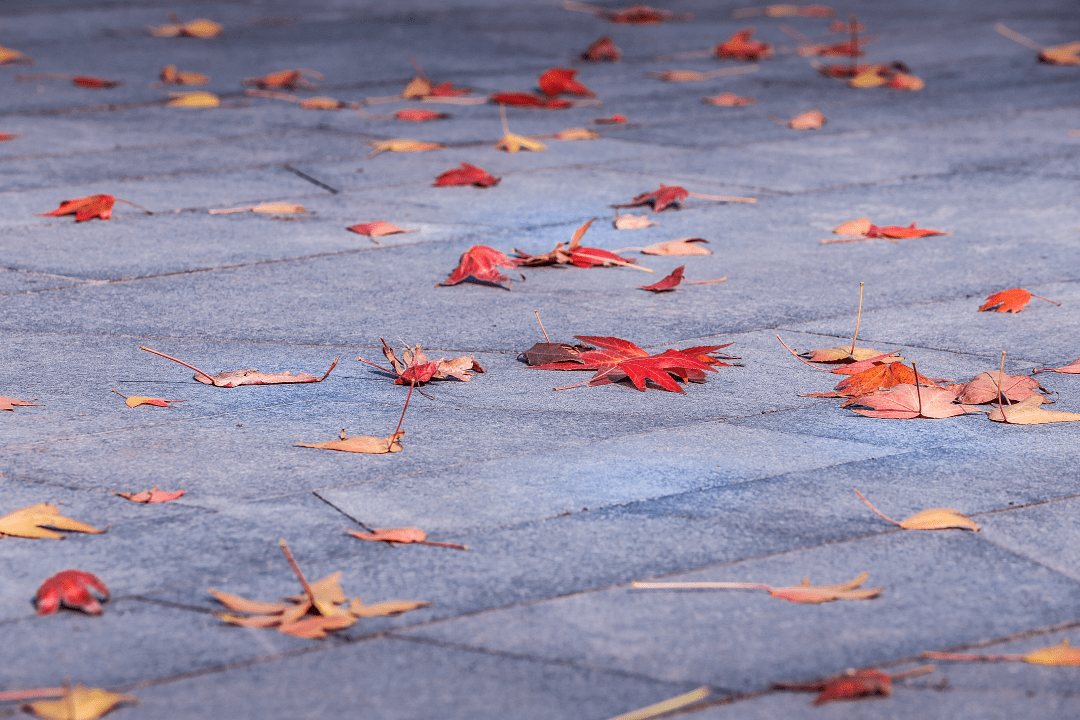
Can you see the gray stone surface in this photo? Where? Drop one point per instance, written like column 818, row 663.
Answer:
column 563, row 498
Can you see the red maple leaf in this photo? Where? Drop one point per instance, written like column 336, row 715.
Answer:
column 661, row 199
column 419, row 115
column 676, row 277
column 480, row 262
column 447, row 89
column 85, row 208
column 557, row 81
column 1010, row 301
column 574, row 254
column 466, row 175
column 740, row 47
column 71, row 588
column 603, row 50
column 899, row 231
column 523, row 99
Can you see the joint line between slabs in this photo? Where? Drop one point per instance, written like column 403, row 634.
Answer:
column 313, row 181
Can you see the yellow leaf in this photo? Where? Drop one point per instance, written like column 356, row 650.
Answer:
column 402, row 145
column 200, row 28
column 809, row 120
column 1062, row 654
column 278, row 207
column 1028, row 412
column 197, row 99
column 82, row 703
column 393, row 607
column 512, row 143
column 7, row 55
column 31, row 522
column 321, row 103
column 417, row 88
column 939, row 519
column 577, row 134
column 362, row 444
column 867, row 79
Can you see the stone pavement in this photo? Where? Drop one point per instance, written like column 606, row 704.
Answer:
column 564, row 498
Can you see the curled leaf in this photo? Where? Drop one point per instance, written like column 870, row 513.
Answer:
column 1010, row 301
column 1028, row 412
column 633, row 222
column 361, row 444
column 200, row 28
column 85, row 208
column 685, row 246
column 377, row 229
column 512, row 143
column 809, row 120
column 72, row 589
column 466, row 174
column 728, row 99
column 10, row 404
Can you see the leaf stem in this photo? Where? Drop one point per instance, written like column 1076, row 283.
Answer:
column 151, row 212
column 853, row 22
column 972, row 657
column 168, row 357
column 296, row 569
column 1001, row 374
column 858, row 321
column 119, row 393
column 546, row 338
column 31, row 694
column 393, row 437
column 722, row 198
column 442, row 544
column 1046, row 299
column 918, row 394
column 1017, row 37
column 502, row 116
column 913, row 672
column 803, row 360
column 704, row 282
column 870, row 505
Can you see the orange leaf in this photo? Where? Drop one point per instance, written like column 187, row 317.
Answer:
column 361, row 444
column 85, row 208
column 419, row 115
column 194, row 100
column 740, row 47
column 35, row 521
column 864, row 683
column 577, row 134
column 804, row 593
column 201, row 28
column 603, row 50
column 284, row 79
column 402, row 145
column 809, row 120
column 1061, row 654
column 1073, row 368
column 1067, row 54
column 1011, row 301
column 728, row 99
column 1028, row 412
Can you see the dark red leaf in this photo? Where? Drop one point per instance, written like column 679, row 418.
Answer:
column 561, row 80
column 661, row 199
column 71, row 588
column 480, row 262
column 521, row 99
column 466, row 175
column 668, row 283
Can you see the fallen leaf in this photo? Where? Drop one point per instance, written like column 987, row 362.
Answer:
column 522, row 99
column 402, row 145
column 854, row 227
column 984, row 388
column 846, row 48
column 685, row 246
column 96, row 83
column 1028, row 412
column 549, row 352
column 868, row 230
column 377, row 229
column 1072, row 368
column 10, row 404
column 612, row 120
column 557, row 81
column 79, row 703
column 852, row 685
column 419, row 115
column 236, row 378
column 577, row 134
column 879, row 375
column 281, row 208
column 911, row 401
column 361, row 444
column 633, row 15
column 845, row 354
column 71, row 589
column 137, row 400
column 171, row 76
column 803, row 593
column 740, row 47
column 1061, row 654
column 633, row 222
column 34, row 521
column 809, row 120
column 401, row 536
column 932, row 519
column 1010, row 301
column 666, row 706
column 512, row 143
column 324, row 103
column 194, row 100
column 728, row 99
column 321, row 608
column 676, row 277
column 665, row 197
column 284, row 79
column 575, row 254
column 603, row 50
column 421, row 88
column 786, row 11
column 200, row 28
column 4, row 137
column 1066, row 54
column 905, row 81
column 152, row 496
column 466, row 174
column 480, row 262
column 11, row 57
column 85, row 208
column 415, row 368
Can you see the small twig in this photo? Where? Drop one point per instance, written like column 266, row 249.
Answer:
column 1001, row 374
column 296, row 569
column 419, row 70
column 546, row 338
column 869, row 505
column 704, row 282
column 913, row 672
column 168, row 357
column 918, row 394
column 502, row 115
column 31, row 694
column 803, row 360
column 722, row 198
column 393, row 437
column 665, row 706
column 858, row 321
column 1017, row 37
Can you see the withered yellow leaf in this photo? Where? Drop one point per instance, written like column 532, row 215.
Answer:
column 34, row 521
column 200, row 28
column 7, row 55
column 361, row 444
column 577, row 134
column 1061, row 654
column 869, row 79
column 402, row 145
column 1028, row 412
column 197, row 99
column 81, row 703
column 939, row 519
column 512, row 143
column 382, row 609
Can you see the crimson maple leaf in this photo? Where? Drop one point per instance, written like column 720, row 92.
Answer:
column 522, row 99
column 85, row 208
column 479, row 262
column 466, row 175
column 661, row 199
column 740, row 47
column 71, row 588
column 603, row 50
column 574, row 254
column 1010, row 301
column 557, row 81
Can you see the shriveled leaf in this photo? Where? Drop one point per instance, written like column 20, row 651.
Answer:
column 864, row 683
column 152, row 496
column 685, row 246
column 809, row 120
column 34, row 521
column 633, row 222
column 1066, row 54
column 377, row 229
column 1060, row 654
column 85, row 208
column 546, row 352
column 668, row 283
column 814, row 594
column 911, row 401
column 316, row 627
column 197, row 99
column 81, row 703
column 1011, row 301
column 236, row 378
column 362, row 444
column 323, row 103
column 466, row 174
column 4, row 137
column 846, row 354
column 480, row 262
column 384, row 609
column 633, row 15
column 512, row 143
column 728, row 99
column 577, row 134
column 939, row 519
column 394, row 535
column 171, row 76
column 666, row 196
column 284, row 80
column 240, row 604
column 1072, row 368
column 10, row 404
column 71, row 589
column 402, row 145
column 200, row 28
column 615, row 119
column 521, row 99
column 1028, row 412
column 879, row 376
column 602, row 50
column 854, row 227
column 9, row 56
